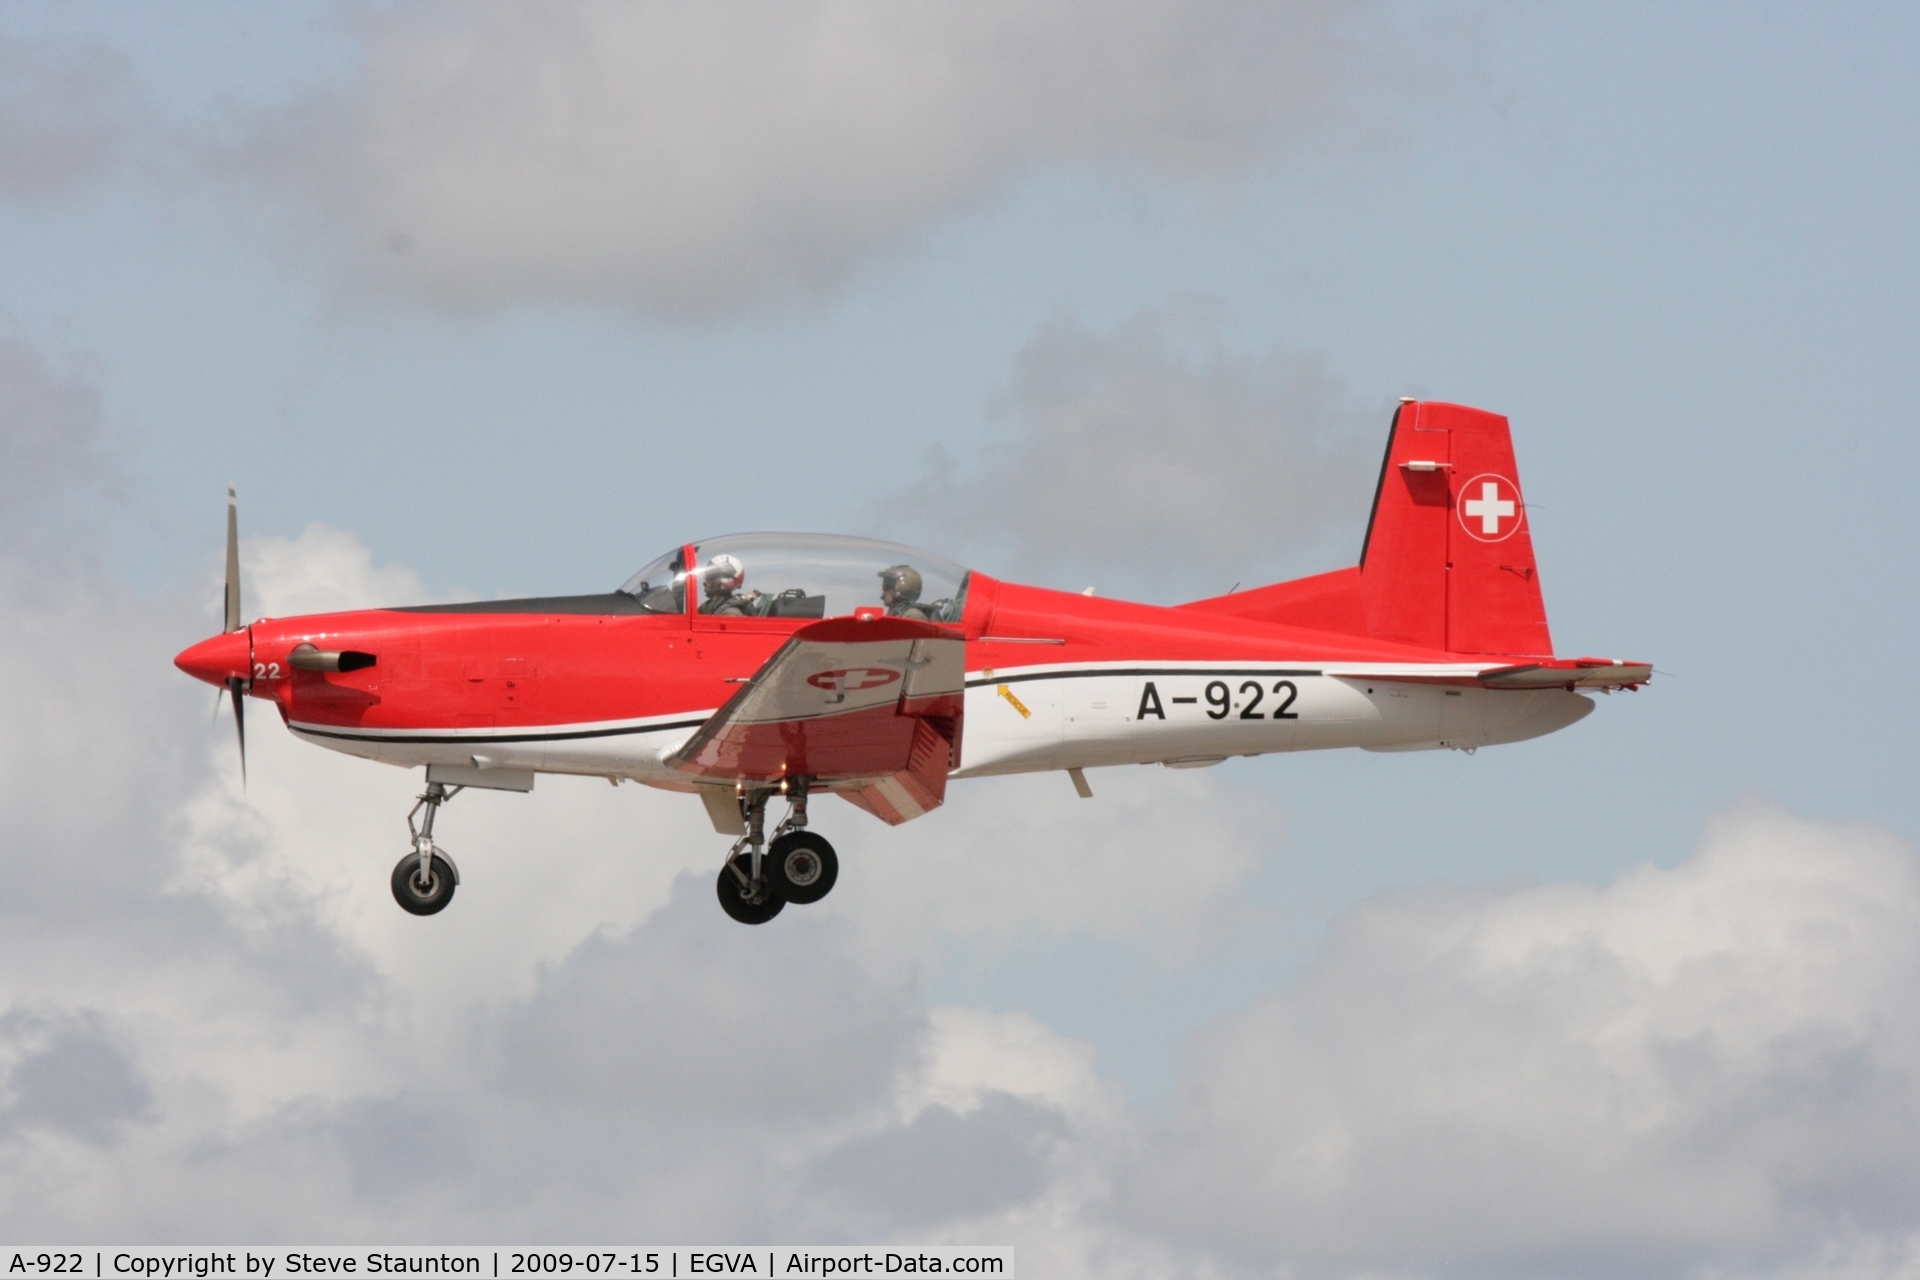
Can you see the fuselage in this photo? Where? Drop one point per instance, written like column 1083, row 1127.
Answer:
column 589, row 685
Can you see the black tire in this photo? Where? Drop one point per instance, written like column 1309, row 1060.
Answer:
column 801, row 866
column 756, row 906
column 427, row 899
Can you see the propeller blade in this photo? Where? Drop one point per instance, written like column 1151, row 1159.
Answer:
column 233, row 562
column 237, row 687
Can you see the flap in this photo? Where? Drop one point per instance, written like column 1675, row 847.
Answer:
column 841, row 701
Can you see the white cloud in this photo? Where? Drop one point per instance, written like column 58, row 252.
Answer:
column 972, row 1054
column 1155, row 857
column 214, row 1023
column 321, row 571
column 220, row 1024
column 688, row 158
column 1154, row 455
column 1716, row 1061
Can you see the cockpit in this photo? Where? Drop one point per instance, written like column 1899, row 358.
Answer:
column 801, row 575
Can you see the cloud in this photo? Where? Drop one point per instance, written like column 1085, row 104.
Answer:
column 967, row 1166
column 321, row 571
column 1718, row 1061
column 694, row 158
column 1154, row 456
column 70, row 1077
column 214, row 1021
column 1018, row 858
column 66, row 116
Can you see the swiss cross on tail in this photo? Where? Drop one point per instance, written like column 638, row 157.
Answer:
column 1490, row 508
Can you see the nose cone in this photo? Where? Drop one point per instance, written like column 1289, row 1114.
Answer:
column 219, row 658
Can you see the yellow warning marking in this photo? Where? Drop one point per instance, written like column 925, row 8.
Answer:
column 1017, row 705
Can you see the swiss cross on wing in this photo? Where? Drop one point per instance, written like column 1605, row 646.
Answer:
column 1489, row 507
column 853, row 679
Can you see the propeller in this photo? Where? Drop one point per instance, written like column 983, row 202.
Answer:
column 236, row 686
column 225, row 661
column 232, row 601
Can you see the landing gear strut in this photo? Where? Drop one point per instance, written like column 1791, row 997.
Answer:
column 424, row 880
column 744, row 891
column 799, row 867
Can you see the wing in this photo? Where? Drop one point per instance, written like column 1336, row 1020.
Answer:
column 870, row 708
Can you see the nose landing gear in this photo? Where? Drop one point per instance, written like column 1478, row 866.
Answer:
column 424, row 880
column 759, row 880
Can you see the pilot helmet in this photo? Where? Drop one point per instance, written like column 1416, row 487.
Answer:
column 724, row 573
column 900, row 584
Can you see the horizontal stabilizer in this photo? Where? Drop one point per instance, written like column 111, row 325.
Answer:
column 1569, row 673
column 1545, row 673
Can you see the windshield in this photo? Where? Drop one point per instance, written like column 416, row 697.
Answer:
column 806, row 575
column 661, row 587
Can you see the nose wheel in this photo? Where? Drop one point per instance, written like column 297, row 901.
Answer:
column 424, row 880
column 759, row 879
column 423, row 895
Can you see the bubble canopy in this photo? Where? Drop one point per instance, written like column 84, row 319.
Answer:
column 802, row 575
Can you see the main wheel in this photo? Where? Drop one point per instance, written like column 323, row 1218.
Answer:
column 423, row 898
column 801, row 866
column 755, row 905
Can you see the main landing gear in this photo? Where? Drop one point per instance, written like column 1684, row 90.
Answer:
column 759, row 879
column 424, row 881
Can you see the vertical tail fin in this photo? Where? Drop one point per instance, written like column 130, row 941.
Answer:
column 1448, row 562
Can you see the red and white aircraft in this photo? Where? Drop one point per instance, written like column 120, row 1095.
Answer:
column 747, row 667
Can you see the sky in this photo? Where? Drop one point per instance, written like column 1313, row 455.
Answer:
column 492, row 300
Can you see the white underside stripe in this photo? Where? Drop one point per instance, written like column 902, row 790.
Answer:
column 1299, row 667
column 690, row 719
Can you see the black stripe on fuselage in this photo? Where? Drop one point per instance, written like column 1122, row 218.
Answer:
column 454, row 740
column 610, row 603
column 1086, row 672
